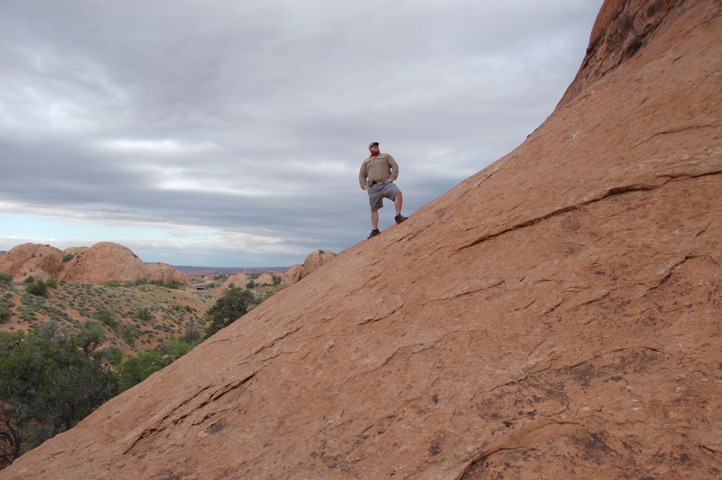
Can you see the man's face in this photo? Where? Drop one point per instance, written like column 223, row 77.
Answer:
column 374, row 149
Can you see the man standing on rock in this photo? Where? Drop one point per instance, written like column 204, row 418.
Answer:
column 376, row 176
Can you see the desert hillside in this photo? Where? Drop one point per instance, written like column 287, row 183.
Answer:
column 556, row 315
column 140, row 305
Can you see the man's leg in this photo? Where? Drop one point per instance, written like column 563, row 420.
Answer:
column 398, row 202
column 375, row 219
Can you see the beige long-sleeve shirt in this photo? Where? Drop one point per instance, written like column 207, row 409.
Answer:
column 380, row 168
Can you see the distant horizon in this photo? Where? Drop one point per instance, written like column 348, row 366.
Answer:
column 228, row 269
column 219, row 269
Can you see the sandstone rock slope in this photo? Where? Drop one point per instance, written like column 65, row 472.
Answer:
column 556, row 315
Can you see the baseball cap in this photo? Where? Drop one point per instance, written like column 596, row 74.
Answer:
column 373, row 144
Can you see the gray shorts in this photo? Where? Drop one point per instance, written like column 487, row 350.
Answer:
column 379, row 191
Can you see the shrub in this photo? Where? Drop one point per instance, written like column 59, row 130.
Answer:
column 113, row 284
column 130, row 332
column 68, row 258
column 144, row 314
column 5, row 279
column 39, row 288
column 106, row 317
column 5, row 312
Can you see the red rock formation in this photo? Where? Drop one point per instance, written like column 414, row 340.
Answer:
column 313, row 262
column 316, row 260
column 74, row 251
column 239, row 280
column 99, row 264
column 31, row 259
column 166, row 273
column 103, row 262
column 566, row 325
column 293, row 274
column 264, row 279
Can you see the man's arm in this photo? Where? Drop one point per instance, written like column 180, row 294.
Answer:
column 363, row 177
column 394, row 168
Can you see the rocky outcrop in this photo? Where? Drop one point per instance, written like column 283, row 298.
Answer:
column 316, row 260
column 264, row 279
column 98, row 264
column 313, row 262
column 102, row 263
column 31, row 259
column 239, row 280
column 622, row 28
column 74, row 252
column 565, row 326
column 167, row 274
column 292, row 275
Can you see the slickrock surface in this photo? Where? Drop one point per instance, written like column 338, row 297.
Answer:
column 555, row 316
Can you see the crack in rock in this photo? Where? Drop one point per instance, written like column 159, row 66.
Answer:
column 168, row 419
column 525, row 438
column 669, row 270
column 275, row 341
column 549, row 364
column 651, row 185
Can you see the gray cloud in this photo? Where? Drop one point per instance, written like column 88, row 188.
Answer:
column 252, row 117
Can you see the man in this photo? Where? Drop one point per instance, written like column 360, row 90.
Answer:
column 376, row 176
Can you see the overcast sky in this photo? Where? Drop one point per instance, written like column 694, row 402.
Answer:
column 230, row 133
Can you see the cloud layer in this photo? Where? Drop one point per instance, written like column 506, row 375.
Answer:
column 230, row 133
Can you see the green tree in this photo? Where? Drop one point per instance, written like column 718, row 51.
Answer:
column 50, row 379
column 233, row 304
column 138, row 368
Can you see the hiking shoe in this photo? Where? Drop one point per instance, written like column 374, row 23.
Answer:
column 400, row 218
column 374, row 233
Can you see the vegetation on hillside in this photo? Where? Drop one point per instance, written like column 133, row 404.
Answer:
column 233, row 304
column 53, row 376
column 85, row 344
column 136, row 318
